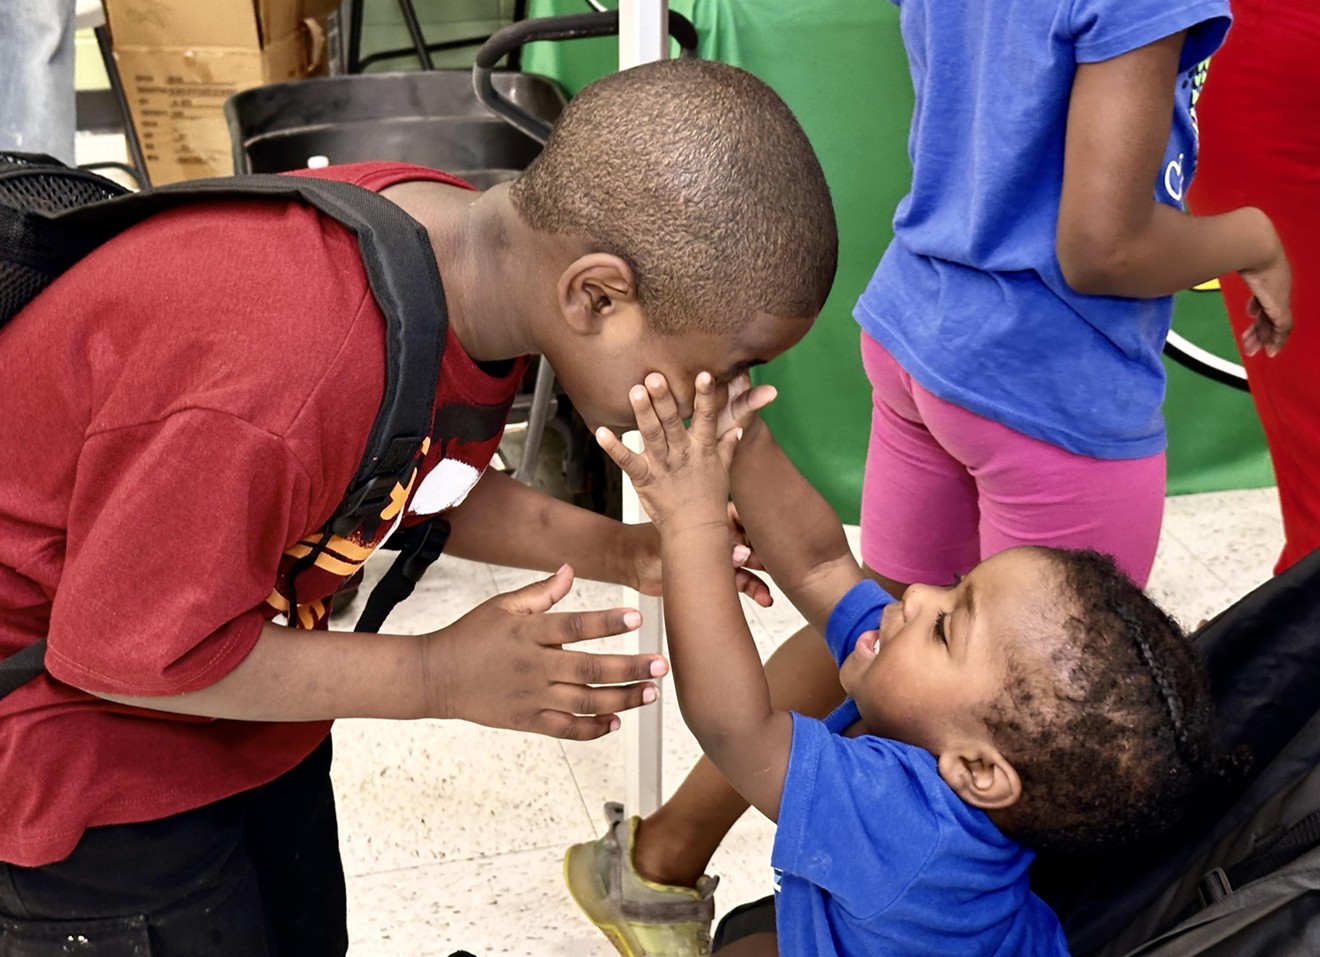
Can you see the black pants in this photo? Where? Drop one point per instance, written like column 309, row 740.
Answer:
column 754, row 917
column 255, row 875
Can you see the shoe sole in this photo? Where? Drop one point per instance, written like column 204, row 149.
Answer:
column 587, row 891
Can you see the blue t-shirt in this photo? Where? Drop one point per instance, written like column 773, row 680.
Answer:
column 878, row 855
column 969, row 297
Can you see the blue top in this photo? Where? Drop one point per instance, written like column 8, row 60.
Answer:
column 879, row 856
column 969, row 297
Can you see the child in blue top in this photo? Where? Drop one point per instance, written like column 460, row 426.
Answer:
column 1042, row 701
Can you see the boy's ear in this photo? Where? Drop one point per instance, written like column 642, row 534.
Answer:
column 981, row 776
column 594, row 288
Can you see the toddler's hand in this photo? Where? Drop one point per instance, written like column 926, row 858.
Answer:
column 682, row 474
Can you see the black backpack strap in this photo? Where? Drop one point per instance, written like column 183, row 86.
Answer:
column 22, row 666
column 405, row 282
column 421, row 545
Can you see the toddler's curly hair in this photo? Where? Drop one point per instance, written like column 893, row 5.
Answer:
column 1113, row 737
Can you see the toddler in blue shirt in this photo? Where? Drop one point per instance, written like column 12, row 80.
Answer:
column 1042, row 701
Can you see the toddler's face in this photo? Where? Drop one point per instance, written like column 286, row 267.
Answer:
column 927, row 674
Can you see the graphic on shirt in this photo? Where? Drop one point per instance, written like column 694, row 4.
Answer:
column 463, row 438
column 341, row 556
column 445, row 486
column 1197, row 77
column 1184, row 137
column 447, row 482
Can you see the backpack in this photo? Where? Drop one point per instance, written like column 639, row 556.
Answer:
column 1241, row 876
column 51, row 215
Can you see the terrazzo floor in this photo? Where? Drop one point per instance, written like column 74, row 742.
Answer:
column 453, row 834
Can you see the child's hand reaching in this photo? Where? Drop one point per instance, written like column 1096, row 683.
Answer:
column 682, row 474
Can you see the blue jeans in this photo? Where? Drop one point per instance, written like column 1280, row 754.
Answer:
column 37, row 104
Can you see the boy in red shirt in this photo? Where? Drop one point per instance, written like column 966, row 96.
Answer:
column 185, row 408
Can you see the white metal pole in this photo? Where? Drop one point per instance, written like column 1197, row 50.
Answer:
column 643, row 37
column 643, row 31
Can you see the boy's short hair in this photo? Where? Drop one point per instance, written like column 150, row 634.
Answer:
column 1113, row 736
column 699, row 176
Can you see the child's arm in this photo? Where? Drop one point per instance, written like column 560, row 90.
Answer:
column 505, row 664
column 1115, row 239
column 504, row 522
column 682, row 479
column 797, row 536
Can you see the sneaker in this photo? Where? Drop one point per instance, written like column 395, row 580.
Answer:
column 641, row 918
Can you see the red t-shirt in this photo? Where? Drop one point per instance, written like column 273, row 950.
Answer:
column 182, row 411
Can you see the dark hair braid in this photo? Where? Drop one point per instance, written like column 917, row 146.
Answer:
column 1117, row 737
column 1188, row 747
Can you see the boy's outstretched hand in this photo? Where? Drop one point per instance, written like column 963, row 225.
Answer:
column 682, row 474
column 503, row 665
column 744, row 401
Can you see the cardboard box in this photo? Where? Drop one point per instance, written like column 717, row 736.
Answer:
column 179, row 60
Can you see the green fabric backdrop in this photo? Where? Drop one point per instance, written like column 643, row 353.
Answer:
column 841, row 67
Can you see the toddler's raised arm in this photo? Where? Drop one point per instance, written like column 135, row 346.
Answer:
column 682, row 479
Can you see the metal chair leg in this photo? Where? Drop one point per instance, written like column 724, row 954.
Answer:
column 415, row 32
column 117, row 87
column 537, row 416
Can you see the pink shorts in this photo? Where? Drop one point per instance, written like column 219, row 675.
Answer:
column 945, row 488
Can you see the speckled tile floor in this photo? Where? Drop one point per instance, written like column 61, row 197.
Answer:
column 453, row 834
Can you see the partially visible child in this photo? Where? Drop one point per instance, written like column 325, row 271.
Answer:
column 1042, row 701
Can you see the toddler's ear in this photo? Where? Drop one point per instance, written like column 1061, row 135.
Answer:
column 981, row 776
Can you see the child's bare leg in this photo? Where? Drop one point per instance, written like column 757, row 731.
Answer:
column 675, row 843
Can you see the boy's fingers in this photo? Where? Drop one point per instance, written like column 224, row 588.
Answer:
column 585, row 668
column 739, row 535
column 564, row 628
column 543, row 595
column 735, row 520
column 572, row 727
column 754, row 588
column 728, row 444
column 588, row 700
